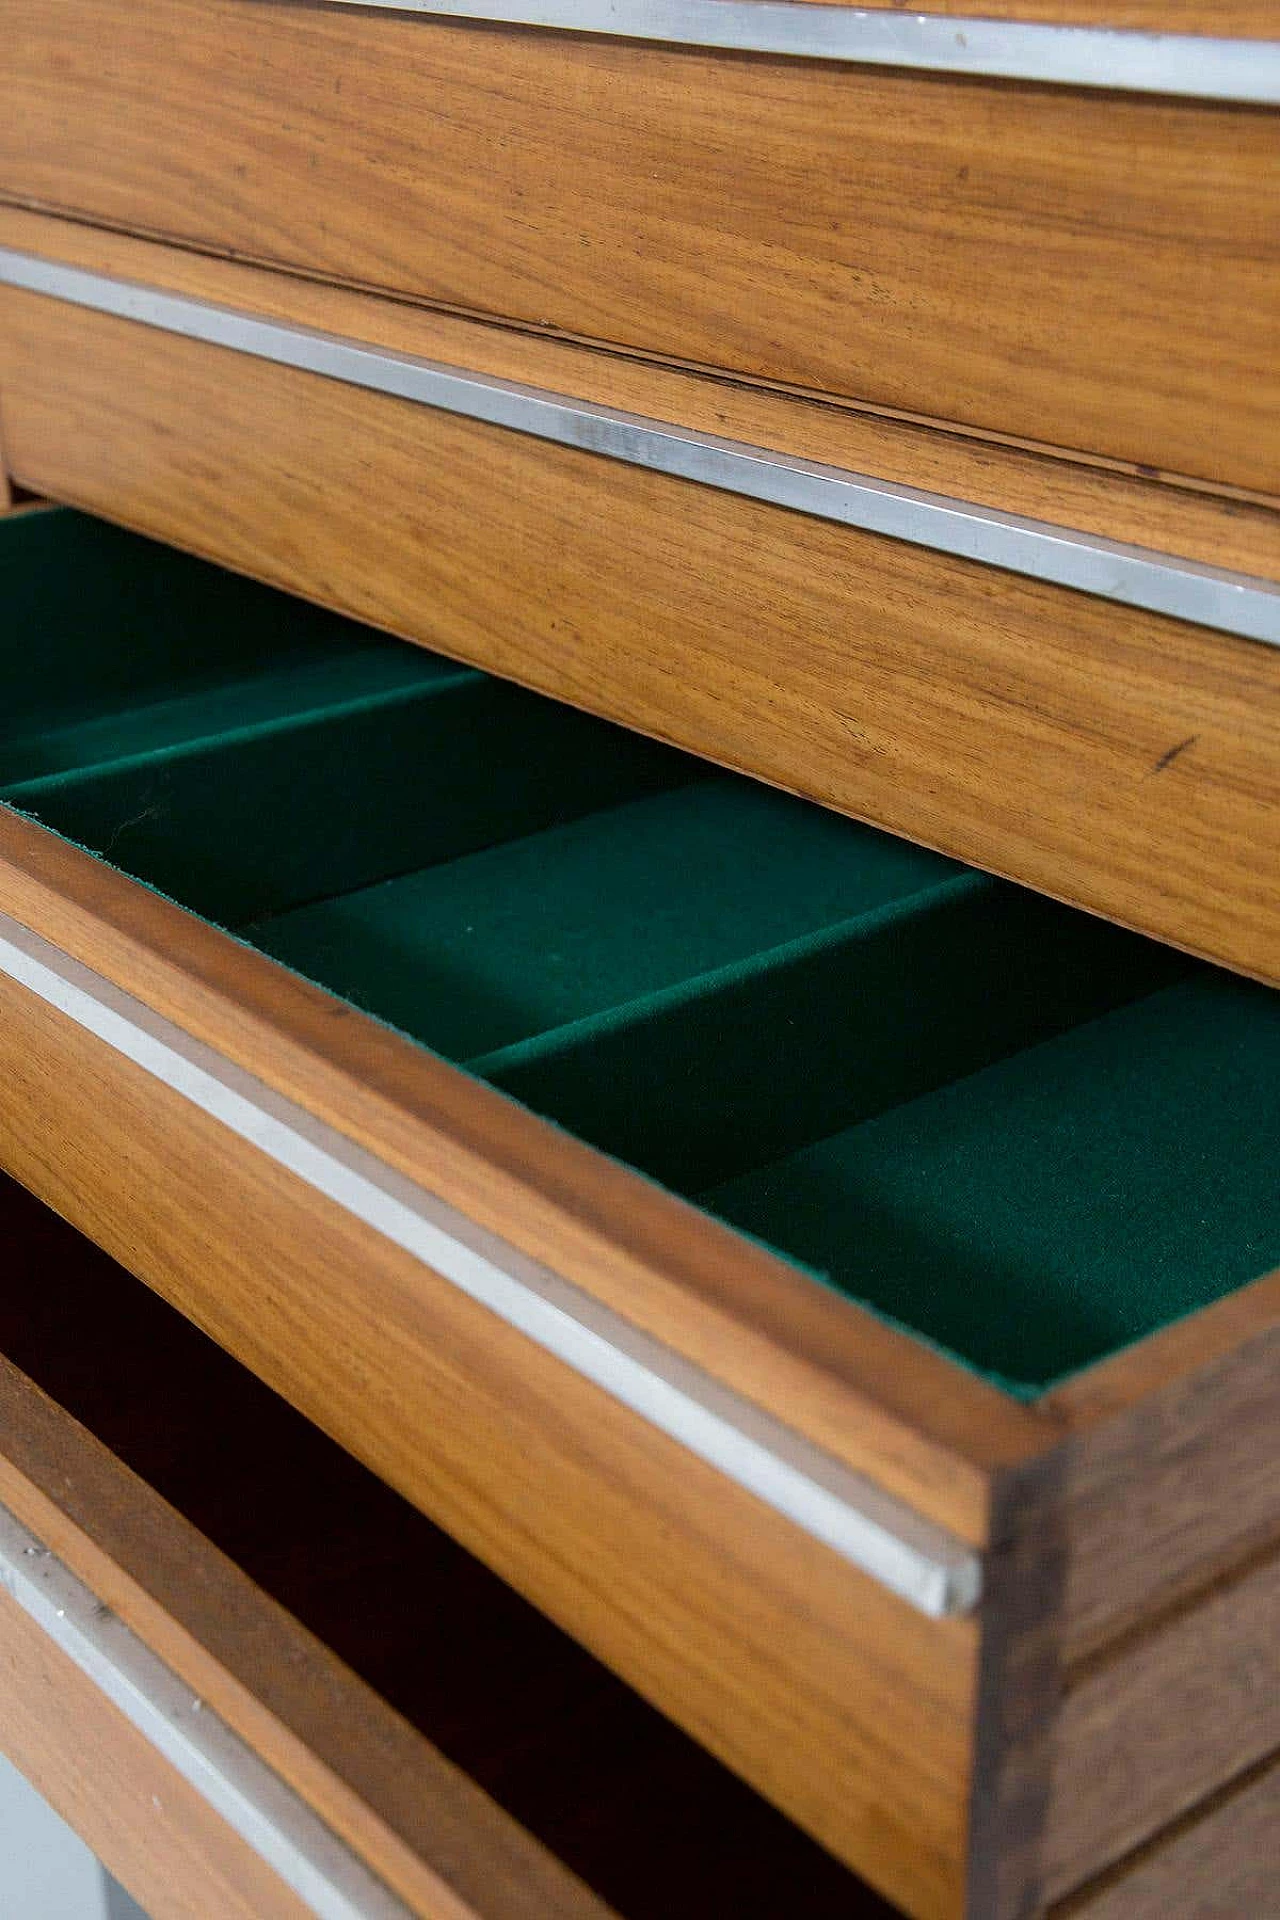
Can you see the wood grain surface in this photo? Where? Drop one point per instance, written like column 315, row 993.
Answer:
column 1019, row 1693
column 412, row 1817
column 1092, row 271
column 840, row 1703
column 155, row 1833
column 1219, row 1864
column 635, row 1808
column 1094, row 497
column 1126, row 763
column 1172, row 1475
column 1162, row 1722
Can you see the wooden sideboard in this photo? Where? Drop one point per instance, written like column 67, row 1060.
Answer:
column 717, row 1108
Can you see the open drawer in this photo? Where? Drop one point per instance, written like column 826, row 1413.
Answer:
column 826, row 1281
column 310, row 1699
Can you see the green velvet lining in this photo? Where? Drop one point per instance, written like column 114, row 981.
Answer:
column 271, row 817
column 525, row 937
column 213, row 715
column 733, row 1068
column 108, row 632
column 1048, row 1209
column 1025, row 1135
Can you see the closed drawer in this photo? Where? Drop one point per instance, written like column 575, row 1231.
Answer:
column 1090, row 267
column 450, row 962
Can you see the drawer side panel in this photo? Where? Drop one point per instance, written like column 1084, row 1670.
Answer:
column 1218, row 1864
column 1161, row 1722
column 1173, row 1476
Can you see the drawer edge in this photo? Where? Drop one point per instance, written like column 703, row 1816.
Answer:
column 1066, row 53
column 419, row 1823
column 92, row 1768
column 912, row 1556
column 1236, row 604
column 914, row 1423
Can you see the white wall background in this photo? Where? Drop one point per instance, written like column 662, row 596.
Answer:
column 46, row 1870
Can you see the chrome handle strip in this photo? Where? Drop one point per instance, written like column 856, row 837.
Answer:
column 253, row 1800
column 1134, row 576
column 918, row 1560
column 1193, row 66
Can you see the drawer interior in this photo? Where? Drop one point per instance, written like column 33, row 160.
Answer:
column 1026, row 1135
column 640, row 1812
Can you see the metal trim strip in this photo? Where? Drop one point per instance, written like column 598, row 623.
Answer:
column 1192, row 66
column 240, row 1787
column 1230, row 602
column 915, row 1558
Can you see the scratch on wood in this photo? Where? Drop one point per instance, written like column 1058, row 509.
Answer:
column 1170, row 755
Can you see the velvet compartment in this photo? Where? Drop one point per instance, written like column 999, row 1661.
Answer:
column 1027, row 1136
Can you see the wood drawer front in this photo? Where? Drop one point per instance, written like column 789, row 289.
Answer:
column 844, row 1704
column 91, row 1763
column 165, row 1682
column 1104, row 754
column 151, row 1685
column 936, row 244
column 278, row 1696
column 1198, row 524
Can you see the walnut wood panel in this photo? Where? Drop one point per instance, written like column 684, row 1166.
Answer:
column 839, row 1702
column 1121, row 761
column 1094, row 271
column 154, row 1832
column 1197, row 523
column 1174, row 1470
column 1220, row 1864
column 416, row 1820
column 1161, row 1722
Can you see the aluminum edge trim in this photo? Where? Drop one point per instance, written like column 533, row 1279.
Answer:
column 1235, row 603
column 1193, row 66
column 915, row 1558
column 224, row 1771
